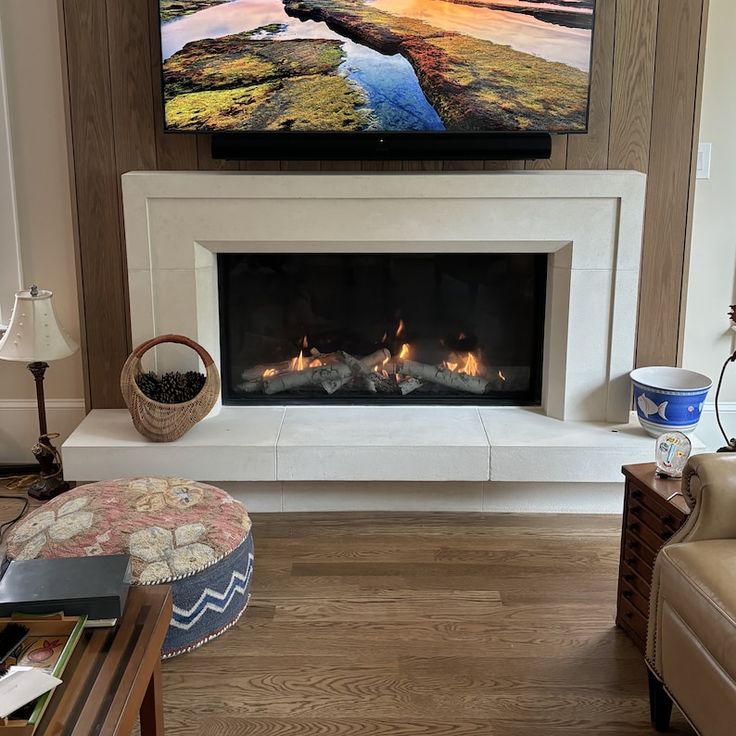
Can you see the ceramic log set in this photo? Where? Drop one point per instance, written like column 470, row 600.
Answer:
column 669, row 399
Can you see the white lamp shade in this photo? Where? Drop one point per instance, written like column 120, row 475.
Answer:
column 34, row 333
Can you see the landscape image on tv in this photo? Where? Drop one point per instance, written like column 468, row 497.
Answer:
column 376, row 65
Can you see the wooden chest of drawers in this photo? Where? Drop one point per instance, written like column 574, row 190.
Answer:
column 652, row 514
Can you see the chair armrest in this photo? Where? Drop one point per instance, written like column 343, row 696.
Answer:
column 709, row 487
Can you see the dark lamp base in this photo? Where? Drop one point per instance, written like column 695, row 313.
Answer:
column 45, row 489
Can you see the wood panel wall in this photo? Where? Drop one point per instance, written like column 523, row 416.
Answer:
column 647, row 72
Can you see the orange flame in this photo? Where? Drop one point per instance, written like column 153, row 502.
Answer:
column 269, row 372
column 297, row 364
column 405, row 352
column 304, row 342
column 400, row 328
column 501, row 376
column 471, row 365
column 466, row 363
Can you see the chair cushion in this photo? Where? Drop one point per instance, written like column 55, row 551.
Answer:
column 192, row 535
column 698, row 581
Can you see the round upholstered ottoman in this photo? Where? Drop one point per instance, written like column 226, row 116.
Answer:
column 190, row 535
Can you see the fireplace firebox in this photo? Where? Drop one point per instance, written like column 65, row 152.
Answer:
column 382, row 328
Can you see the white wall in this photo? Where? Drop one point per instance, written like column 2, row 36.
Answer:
column 38, row 131
column 712, row 279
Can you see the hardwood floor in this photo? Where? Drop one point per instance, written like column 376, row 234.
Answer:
column 369, row 624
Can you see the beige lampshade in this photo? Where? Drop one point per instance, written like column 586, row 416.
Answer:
column 34, row 333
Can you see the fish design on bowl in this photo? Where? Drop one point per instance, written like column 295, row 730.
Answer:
column 649, row 407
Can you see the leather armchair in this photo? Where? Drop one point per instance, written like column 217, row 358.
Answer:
column 691, row 642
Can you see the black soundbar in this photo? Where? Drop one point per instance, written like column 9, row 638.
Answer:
column 381, row 146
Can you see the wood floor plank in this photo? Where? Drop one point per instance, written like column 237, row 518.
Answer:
column 421, row 625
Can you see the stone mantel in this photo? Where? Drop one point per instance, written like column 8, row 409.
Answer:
column 589, row 222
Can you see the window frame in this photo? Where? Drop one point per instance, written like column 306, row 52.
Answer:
column 11, row 271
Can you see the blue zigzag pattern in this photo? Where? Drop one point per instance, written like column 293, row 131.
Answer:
column 211, row 600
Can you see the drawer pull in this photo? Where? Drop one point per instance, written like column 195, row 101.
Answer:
column 636, row 510
column 669, row 520
column 627, row 594
column 629, row 578
column 634, row 527
column 628, row 614
column 633, row 544
column 631, row 561
column 638, row 495
column 665, row 535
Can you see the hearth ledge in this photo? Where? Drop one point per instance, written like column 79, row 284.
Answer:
column 362, row 444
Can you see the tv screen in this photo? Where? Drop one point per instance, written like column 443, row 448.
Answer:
column 354, row 66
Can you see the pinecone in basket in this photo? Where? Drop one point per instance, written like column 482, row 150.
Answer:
column 171, row 388
column 148, row 383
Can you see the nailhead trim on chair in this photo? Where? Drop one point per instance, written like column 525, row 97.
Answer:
column 687, row 476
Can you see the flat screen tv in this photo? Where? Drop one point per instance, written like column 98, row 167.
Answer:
column 377, row 67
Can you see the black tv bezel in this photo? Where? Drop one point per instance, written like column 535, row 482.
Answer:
column 382, row 145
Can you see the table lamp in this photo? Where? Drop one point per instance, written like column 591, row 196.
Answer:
column 34, row 336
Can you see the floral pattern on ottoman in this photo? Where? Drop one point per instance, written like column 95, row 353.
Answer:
column 171, row 527
column 38, row 529
column 170, row 555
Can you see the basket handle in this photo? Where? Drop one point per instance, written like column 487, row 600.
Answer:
column 179, row 339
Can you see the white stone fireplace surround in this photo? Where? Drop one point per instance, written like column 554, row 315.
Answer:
column 565, row 455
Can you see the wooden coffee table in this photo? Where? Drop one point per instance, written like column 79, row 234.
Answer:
column 115, row 674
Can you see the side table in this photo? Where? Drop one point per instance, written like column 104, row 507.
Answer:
column 653, row 511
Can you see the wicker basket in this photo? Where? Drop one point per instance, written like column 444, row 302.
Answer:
column 167, row 422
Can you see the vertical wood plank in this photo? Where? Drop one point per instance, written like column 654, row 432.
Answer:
column 590, row 151
column 174, row 151
column 74, row 205
column 132, row 104
column 633, row 75
column 669, row 184
column 98, row 199
column 558, row 158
